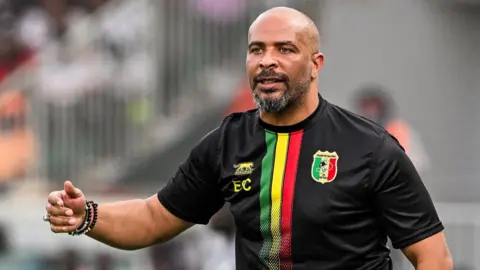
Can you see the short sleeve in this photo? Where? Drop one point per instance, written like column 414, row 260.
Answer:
column 400, row 198
column 193, row 194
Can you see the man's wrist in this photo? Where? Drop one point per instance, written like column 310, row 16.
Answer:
column 83, row 217
column 88, row 222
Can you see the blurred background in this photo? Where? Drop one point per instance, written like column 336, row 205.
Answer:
column 112, row 94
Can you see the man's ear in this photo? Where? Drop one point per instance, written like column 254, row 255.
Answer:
column 317, row 60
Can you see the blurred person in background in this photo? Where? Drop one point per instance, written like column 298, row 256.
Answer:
column 67, row 259
column 16, row 139
column 342, row 211
column 242, row 100
column 71, row 260
column 224, row 257
column 169, row 256
column 373, row 102
column 13, row 53
column 43, row 22
column 4, row 243
column 74, row 82
column 93, row 5
column 17, row 149
column 213, row 248
column 104, row 262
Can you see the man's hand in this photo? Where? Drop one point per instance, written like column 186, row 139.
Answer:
column 128, row 225
column 66, row 209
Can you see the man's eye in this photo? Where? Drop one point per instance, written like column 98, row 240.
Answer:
column 255, row 50
column 285, row 50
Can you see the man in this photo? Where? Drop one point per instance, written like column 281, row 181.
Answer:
column 373, row 102
column 311, row 186
column 13, row 53
column 4, row 243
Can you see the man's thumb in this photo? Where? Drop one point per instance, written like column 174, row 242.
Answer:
column 71, row 191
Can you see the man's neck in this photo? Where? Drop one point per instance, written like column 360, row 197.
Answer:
column 296, row 113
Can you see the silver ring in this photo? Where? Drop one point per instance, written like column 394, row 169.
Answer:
column 46, row 218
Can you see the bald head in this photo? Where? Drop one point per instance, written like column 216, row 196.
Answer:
column 285, row 17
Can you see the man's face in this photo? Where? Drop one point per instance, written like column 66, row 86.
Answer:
column 93, row 5
column 6, row 44
column 371, row 109
column 279, row 63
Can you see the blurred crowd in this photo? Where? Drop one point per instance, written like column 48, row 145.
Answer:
column 72, row 66
column 39, row 22
column 85, row 66
column 26, row 28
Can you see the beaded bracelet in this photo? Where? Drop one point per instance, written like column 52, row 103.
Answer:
column 85, row 222
column 95, row 216
column 90, row 219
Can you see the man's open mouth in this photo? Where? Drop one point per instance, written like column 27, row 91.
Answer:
column 270, row 80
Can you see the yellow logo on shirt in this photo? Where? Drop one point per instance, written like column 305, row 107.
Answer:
column 239, row 185
column 244, row 168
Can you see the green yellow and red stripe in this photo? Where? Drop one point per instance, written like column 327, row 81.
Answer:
column 277, row 186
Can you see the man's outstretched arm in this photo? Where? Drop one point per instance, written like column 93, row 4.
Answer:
column 136, row 224
column 128, row 225
column 192, row 196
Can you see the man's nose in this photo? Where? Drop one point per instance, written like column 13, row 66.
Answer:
column 268, row 61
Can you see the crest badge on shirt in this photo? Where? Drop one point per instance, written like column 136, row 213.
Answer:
column 324, row 166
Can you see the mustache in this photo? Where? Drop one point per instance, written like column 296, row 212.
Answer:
column 270, row 74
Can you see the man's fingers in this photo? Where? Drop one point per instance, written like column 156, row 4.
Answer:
column 63, row 221
column 53, row 210
column 61, row 229
column 55, row 198
column 71, row 191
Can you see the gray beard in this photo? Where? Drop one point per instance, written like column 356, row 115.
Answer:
column 274, row 105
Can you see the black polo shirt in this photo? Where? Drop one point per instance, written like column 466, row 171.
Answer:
column 322, row 194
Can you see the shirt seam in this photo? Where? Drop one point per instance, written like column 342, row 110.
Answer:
column 418, row 236
column 372, row 164
column 217, row 165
